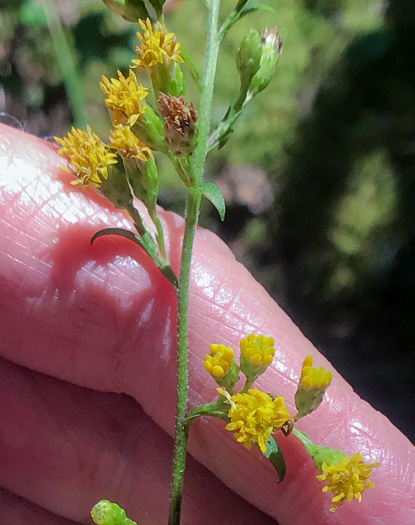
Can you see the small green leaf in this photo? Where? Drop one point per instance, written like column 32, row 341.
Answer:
column 259, row 7
column 127, row 234
column 276, row 457
column 212, row 192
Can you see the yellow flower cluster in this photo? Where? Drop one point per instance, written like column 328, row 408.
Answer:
column 219, row 361
column 258, row 349
column 157, row 46
column 128, row 145
column 88, row 156
column 314, row 378
column 347, row 480
column 124, row 98
column 254, row 416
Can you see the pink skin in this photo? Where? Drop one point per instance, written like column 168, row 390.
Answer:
column 102, row 317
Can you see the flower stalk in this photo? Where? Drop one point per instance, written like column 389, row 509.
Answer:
column 192, row 216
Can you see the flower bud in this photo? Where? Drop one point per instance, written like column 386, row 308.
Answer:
column 149, row 129
column 139, row 164
column 248, row 58
column 179, row 124
column 271, row 51
column 257, row 352
column 130, row 10
column 222, row 366
column 158, row 6
column 311, row 387
column 145, row 183
column 107, row 513
column 115, row 188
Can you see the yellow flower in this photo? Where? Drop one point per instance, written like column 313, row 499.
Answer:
column 311, row 387
column 347, row 480
column 314, row 378
column 88, row 156
column 254, row 416
column 128, row 145
column 219, row 361
column 124, row 98
column 258, row 349
column 156, row 46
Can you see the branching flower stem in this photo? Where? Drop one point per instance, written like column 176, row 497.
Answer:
column 192, row 216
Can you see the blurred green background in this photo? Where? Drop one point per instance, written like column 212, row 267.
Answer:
column 319, row 176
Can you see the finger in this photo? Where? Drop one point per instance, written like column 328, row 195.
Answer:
column 111, row 317
column 65, row 447
column 18, row 511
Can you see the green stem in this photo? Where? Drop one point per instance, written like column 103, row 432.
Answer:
column 305, row 440
column 247, row 385
column 178, row 166
column 225, row 127
column 181, row 431
column 148, row 245
column 67, row 64
column 206, row 96
column 192, row 216
column 159, row 236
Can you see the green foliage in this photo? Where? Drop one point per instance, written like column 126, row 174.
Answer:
column 212, row 192
column 276, row 458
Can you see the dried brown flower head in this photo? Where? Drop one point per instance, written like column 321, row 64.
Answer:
column 179, row 124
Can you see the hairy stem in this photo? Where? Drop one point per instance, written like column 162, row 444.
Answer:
column 192, row 216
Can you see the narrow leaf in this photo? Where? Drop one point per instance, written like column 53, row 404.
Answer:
column 212, row 192
column 276, row 457
column 127, row 234
column 259, row 7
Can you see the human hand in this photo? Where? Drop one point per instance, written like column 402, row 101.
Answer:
column 87, row 374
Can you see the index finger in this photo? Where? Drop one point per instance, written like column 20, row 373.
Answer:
column 103, row 317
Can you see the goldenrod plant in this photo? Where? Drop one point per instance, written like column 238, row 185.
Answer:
column 125, row 168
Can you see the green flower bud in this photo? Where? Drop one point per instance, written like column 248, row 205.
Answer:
column 257, row 352
column 115, row 187
column 168, row 78
column 271, row 51
column 319, row 454
column 140, row 167
column 149, row 129
column 312, row 385
column 158, row 6
column 248, row 58
column 130, row 10
column 328, row 455
column 143, row 177
column 221, row 365
column 107, row 513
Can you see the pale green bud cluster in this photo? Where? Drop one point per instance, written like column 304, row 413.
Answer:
column 248, row 58
column 107, row 513
column 257, row 60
